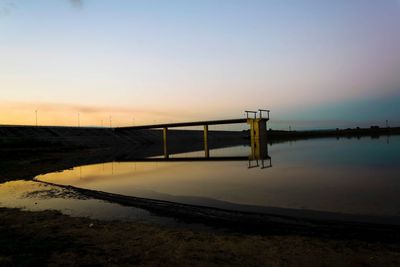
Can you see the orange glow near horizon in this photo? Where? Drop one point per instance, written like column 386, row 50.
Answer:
column 70, row 115
column 80, row 115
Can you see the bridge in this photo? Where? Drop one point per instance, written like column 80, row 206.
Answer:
column 257, row 121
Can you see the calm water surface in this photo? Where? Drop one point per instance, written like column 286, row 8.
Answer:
column 353, row 176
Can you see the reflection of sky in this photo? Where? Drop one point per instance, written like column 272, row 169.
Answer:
column 141, row 61
column 350, row 176
column 32, row 196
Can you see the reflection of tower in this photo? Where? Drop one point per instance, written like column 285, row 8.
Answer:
column 251, row 165
column 259, row 152
column 258, row 139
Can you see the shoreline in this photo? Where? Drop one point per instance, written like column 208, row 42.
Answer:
column 272, row 220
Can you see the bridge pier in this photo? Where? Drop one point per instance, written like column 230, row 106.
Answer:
column 205, row 136
column 206, row 147
column 165, row 139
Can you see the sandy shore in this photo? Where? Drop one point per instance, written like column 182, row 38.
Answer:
column 38, row 238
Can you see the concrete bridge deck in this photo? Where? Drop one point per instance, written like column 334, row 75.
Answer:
column 249, row 120
column 183, row 124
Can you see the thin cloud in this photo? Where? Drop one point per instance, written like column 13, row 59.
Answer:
column 59, row 107
column 77, row 3
column 6, row 7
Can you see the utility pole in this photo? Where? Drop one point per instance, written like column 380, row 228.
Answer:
column 79, row 120
column 110, row 122
column 36, row 117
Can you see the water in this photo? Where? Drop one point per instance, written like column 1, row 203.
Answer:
column 346, row 176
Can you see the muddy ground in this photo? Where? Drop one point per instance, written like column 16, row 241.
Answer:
column 50, row 238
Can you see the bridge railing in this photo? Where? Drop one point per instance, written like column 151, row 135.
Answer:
column 261, row 112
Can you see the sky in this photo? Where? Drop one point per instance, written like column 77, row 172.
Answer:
column 313, row 63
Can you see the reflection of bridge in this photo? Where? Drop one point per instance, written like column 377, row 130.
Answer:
column 258, row 131
column 188, row 159
column 265, row 162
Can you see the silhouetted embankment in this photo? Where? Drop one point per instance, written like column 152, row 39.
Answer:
column 48, row 137
column 51, row 136
column 274, row 135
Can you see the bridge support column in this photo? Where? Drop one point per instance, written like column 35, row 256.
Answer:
column 258, row 138
column 165, row 141
column 206, row 148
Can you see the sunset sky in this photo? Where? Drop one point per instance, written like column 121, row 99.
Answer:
column 314, row 64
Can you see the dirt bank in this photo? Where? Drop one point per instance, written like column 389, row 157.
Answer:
column 38, row 238
column 39, row 137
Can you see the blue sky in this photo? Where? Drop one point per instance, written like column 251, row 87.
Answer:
column 313, row 63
